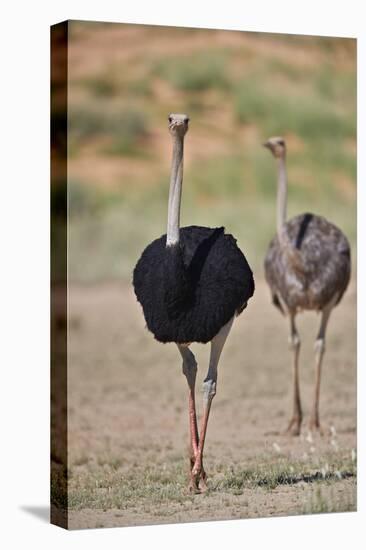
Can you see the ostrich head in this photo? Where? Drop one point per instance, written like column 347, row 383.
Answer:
column 277, row 146
column 178, row 124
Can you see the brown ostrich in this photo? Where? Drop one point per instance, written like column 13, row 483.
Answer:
column 307, row 267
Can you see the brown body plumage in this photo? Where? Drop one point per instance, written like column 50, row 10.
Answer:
column 311, row 268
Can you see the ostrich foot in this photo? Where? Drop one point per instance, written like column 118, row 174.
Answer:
column 197, row 482
column 294, row 427
column 202, row 477
column 315, row 426
column 193, row 487
column 203, row 482
column 193, row 482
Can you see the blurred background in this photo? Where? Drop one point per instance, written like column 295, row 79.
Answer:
column 238, row 88
column 126, row 398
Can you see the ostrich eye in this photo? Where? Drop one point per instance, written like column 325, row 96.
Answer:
column 186, row 120
column 170, row 118
column 281, row 142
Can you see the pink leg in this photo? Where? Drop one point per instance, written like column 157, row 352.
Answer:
column 190, row 372
column 198, row 476
column 294, row 426
column 319, row 353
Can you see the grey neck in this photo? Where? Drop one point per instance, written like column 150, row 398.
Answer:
column 281, row 199
column 175, row 192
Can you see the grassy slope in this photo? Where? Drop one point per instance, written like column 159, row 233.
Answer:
column 238, row 88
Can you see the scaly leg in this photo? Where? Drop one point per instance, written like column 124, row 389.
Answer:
column 319, row 354
column 190, row 372
column 209, row 391
column 294, row 426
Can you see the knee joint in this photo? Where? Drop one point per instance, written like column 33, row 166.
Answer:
column 209, row 390
column 294, row 342
column 319, row 346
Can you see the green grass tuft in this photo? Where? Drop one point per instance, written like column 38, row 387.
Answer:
column 122, row 126
column 196, row 73
column 320, row 503
column 279, row 112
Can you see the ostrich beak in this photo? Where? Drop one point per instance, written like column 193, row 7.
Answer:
column 176, row 124
column 266, row 144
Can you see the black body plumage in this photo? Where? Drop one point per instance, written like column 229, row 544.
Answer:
column 190, row 290
column 312, row 268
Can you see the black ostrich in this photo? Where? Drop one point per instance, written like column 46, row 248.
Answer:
column 307, row 267
column 191, row 283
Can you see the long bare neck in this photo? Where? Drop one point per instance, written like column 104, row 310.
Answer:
column 281, row 199
column 175, row 192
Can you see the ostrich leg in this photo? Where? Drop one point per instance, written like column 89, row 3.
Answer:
column 190, row 372
column 294, row 426
column 198, row 477
column 319, row 353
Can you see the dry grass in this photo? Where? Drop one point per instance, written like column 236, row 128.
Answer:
column 128, row 425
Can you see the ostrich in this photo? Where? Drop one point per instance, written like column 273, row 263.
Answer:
column 307, row 266
column 191, row 283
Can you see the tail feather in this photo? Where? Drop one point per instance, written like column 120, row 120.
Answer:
column 277, row 303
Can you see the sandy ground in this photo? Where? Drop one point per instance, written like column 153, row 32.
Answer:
column 128, row 417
